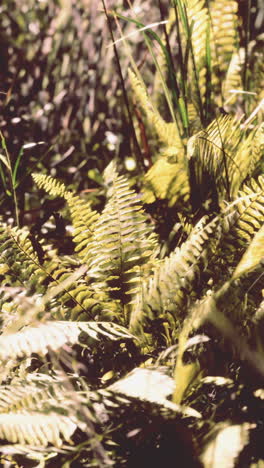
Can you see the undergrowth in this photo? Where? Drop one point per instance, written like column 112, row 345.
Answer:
column 134, row 333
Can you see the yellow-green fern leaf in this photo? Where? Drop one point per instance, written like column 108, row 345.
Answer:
column 166, row 132
column 253, row 255
column 244, row 216
column 167, row 180
column 246, row 158
column 224, row 22
column 124, row 243
column 233, row 78
column 50, row 185
column 167, row 292
column 53, row 335
column 36, row 428
column 83, row 217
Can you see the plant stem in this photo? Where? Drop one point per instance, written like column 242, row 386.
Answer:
column 12, row 185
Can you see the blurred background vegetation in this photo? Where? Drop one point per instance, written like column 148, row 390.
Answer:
column 62, row 106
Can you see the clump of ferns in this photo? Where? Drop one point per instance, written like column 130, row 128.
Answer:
column 116, row 286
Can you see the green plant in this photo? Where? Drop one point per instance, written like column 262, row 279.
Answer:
column 112, row 282
column 138, row 346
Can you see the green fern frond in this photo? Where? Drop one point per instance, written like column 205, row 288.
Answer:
column 83, row 220
column 124, row 244
column 83, row 217
column 37, row 428
column 166, row 180
column 166, row 132
column 166, row 293
column 245, row 216
column 50, row 185
column 213, row 152
column 19, row 258
column 23, row 267
column 47, row 336
column 233, row 80
column 246, row 158
column 224, row 21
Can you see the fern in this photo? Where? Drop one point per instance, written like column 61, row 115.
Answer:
column 36, row 428
column 247, row 217
column 247, row 157
column 167, row 133
column 224, row 20
column 53, row 335
column 83, row 217
column 235, row 437
column 168, row 291
column 167, row 180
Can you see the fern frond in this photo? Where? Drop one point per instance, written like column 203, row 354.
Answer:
column 195, row 24
column 253, row 255
column 233, row 80
column 224, row 21
column 124, row 244
column 152, row 386
column 83, row 217
column 23, row 266
column 47, row 336
column 246, row 158
column 167, row 291
column 245, row 216
column 20, row 259
column 212, row 151
column 167, row 132
column 83, row 220
column 50, row 185
column 33, row 394
column 37, row 428
column 226, row 443
column 166, row 180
